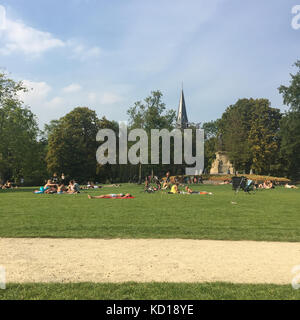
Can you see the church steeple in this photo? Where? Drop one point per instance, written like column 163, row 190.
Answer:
column 182, row 119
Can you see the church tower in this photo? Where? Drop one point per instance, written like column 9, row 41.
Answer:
column 182, row 119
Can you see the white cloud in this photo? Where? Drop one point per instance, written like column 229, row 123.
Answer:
column 82, row 52
column 105, row 98
column 56, row 102
column 37, row 96
column 48, row 102
column 74, row 87
column 16, row 36
column 92, row 97
column 110, row 98
column 37, row 92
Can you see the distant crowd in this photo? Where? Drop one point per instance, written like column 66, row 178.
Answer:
column 173, row 186
column 59, row 185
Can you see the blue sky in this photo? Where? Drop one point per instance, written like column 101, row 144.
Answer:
column 108, row 54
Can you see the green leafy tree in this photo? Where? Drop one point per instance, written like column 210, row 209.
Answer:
column 151, row 113
column 211, row 130
column 19, row 148
column 263, row 137
column 72, row 145
column 233, row 133
column 49, row 128
column 290, row 127
column 248, row 131
column 109, row 173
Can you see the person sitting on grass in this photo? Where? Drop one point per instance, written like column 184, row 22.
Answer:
column 112, row 196
column 268, row 185
column 52, row 189
column 174, row 188
column 167, row 181
column 147, row 184
column 166, row 185
column 7, row 185
column 61, row 189
column 73, row 187
column 46, row 187
column 158, row 185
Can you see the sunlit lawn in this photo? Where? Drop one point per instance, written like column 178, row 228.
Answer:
column 272, row 215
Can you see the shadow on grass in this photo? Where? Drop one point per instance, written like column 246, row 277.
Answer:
column 16, row 190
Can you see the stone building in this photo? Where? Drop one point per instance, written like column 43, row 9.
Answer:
column 222, row 164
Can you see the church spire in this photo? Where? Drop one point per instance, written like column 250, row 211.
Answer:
column 182, row 119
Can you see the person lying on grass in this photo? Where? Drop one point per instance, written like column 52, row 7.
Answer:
column 113, row 186
column 111, row 196
column 91, row 185
column 190, row 191
column 288, row 186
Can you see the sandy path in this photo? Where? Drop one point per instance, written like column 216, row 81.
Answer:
column 95, row 260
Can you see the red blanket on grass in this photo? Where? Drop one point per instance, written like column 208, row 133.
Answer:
column 108, row 197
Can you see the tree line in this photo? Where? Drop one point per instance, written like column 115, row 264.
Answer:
column 257, row 137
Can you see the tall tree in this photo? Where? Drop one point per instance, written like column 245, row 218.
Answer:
column 249, row 132
column 233, row 133
column 19, row 155
column 263, row 137
column 72, row 145
column 290, row 126
column 151, row 113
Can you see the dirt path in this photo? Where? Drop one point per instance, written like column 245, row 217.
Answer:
column 95, row 260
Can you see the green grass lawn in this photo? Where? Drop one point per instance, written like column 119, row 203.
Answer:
column 148, row 291
column 271, row 215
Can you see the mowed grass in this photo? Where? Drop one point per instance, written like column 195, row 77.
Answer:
column 148, row 291
column 271, row 215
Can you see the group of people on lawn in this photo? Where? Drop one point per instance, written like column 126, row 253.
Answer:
column 54, row 186
column 173, row 185
column 59, row 188
column 267, row 184
column 188, row 190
